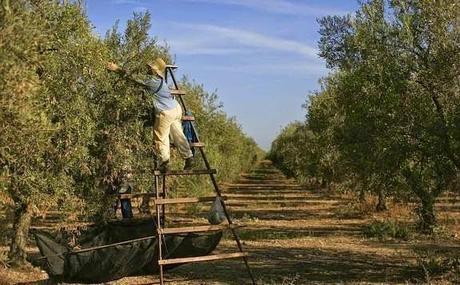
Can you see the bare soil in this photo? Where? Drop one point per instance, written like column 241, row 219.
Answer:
column 297, row 235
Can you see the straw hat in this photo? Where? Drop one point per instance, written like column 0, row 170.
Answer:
column 159, row 67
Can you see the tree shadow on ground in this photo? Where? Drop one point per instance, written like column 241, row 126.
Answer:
column 273, row 265
column 279, row 233
column 281, row 214
column 306, row 265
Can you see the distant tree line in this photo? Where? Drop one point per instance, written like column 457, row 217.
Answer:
column 69, row 130
column 387, row 118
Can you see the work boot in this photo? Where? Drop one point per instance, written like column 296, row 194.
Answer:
column 164, row 166
column 188, row 163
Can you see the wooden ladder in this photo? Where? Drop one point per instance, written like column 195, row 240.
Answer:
column 161, row 200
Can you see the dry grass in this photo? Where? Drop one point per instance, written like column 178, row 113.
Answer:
column 301, row 236
column 23, row 276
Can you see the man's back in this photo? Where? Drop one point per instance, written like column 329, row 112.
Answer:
column 163, row 100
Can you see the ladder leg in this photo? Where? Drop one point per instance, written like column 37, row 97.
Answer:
column 216, row 188
column 184, row 108
column 159, row 236
column 163, row 194
column 230, row 222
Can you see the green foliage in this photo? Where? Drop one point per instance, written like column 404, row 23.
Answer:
column 353, row 210
column 386, row 120
column 434, row 264
column 38, row 148
column 387, row 229
column 285, row 147
column 71, row 130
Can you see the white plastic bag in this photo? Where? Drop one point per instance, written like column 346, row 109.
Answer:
column 217, row 214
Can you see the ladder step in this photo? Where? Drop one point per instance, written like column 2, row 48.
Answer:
column 197, row 229
column 163, row 201
column 185, row 172
column 202, row 258
column 177, row 92
column 171, row 66
column 197, row 144
column 193, row 144
column 135, row 195
column 188, row 118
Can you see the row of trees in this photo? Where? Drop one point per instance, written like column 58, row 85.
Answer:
column 69, row 129
column 387, row 117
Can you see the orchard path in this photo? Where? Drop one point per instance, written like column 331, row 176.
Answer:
column 295, row 236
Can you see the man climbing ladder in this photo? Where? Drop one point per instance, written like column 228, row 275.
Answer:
column 168, row 117
column 168, row 114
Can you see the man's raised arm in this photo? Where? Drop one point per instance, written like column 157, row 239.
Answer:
column 115, row 68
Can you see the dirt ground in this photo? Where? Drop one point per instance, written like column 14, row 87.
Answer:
column 296, row 235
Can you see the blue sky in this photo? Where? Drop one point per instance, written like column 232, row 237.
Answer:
column 260, row 55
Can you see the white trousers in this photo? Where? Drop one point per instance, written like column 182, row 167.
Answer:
column 168, row 123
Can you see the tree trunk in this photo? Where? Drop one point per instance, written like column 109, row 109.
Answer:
column 427, row 218
column 445, row 132
column 22, row 220
column 382, row 204
column 362, row 190
column 144, row 207
column 362, row 195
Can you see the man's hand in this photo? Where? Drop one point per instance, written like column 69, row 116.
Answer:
column 113, row 67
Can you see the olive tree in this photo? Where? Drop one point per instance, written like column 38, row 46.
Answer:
column 46, row 123
column 400, row 58
column 391, row 104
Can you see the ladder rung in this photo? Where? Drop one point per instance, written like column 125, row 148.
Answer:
column 197, row 229
column 185, row 172
column 202, row 258
column 193, row 144
column 188, row 118
column 162, row 201
column 135, row 195
column 197, row 144
column 171, row 66
column 177, row 92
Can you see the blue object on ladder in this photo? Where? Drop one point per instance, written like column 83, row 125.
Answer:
column 189, row 131
column 126, row 208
